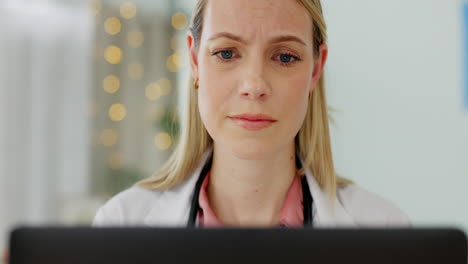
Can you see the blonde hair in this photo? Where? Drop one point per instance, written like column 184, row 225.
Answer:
column 312, row 141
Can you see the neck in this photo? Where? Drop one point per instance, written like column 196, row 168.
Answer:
column 250, row 192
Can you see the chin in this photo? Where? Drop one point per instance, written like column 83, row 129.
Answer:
column 251, row 150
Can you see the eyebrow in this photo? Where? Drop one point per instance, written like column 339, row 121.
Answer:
column 282, row 38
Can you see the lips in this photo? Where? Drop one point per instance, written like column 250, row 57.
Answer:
column 254, row 117
column 253, row 121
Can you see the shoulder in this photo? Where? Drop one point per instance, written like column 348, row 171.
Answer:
column 369, row 209
column 127, row 207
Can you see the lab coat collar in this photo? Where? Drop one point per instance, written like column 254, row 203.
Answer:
column 173, row 206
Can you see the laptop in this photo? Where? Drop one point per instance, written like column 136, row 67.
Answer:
column 144, row 245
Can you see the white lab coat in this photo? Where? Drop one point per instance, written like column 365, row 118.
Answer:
column 354, row 206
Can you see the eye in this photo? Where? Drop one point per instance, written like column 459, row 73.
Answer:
column 287, row 59
column 224, row 55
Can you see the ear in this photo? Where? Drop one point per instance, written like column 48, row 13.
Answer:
column 193, row 55
column 319, row 65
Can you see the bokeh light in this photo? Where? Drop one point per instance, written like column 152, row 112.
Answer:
column 135, row 38
column 112, row 26
column 165, row 85
column 177, row 59
column 108, row 137
column 162, row 141
column 111, row 84
column 153, row 91
column 95, row 7
column 179, row 20
column 170, row 65
column 113, row 54
column 117, row 112
column 128, row 10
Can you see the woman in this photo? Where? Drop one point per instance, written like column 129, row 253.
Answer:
column 255, row 145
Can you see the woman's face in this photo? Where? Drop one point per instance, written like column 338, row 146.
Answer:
column 255, row 56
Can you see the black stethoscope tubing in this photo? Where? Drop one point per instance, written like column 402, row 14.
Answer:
column 307, row 197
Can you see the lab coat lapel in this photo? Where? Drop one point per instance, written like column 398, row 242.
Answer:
column 173, row 207
column 325, row 214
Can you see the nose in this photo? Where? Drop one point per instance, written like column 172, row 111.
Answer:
column 254, row 86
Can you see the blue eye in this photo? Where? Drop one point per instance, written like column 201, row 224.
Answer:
column 285, row 58
column 226, row 54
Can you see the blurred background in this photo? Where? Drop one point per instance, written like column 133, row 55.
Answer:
column 90, row 92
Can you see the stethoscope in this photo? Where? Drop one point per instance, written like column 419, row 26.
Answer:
column 307, row 197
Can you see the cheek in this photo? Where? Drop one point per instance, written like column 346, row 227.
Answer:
column 211, row 105
column 206, row 104
column 294, row 106
column 213, row 93
column 296, row 98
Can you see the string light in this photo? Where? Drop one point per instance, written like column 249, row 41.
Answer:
column 108, row 137
column 111, row 84
column 95, row 7
column 176, row 59
column 112, row 26
column 170, row 65
column 165, row 85
column 153, row 91
column 117, row 112
column 113, row 54
column 128, row 10
column 179, row 20
column 135, row 38
column 162, row 141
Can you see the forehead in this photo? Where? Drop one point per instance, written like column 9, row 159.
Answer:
column 257, row 19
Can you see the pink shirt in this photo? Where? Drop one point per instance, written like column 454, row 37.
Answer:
column 291, row 215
